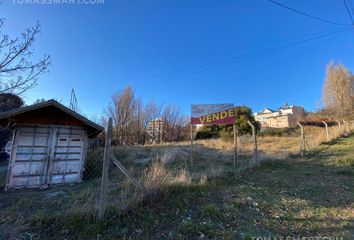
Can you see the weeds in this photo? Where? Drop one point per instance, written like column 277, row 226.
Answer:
column 188, row 228
column 348, row 172
column 210, row 210
column 281, row 196
column 93, row 164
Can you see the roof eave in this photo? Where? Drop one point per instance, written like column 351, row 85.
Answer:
column 17, row 111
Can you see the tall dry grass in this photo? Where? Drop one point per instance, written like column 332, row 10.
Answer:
column 279, row 147
column 213, row 157
column 169, row 164
column 317, row 135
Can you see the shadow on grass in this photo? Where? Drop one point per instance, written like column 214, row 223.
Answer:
column 289, row 196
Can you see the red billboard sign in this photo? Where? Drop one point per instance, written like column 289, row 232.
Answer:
column 208, row 114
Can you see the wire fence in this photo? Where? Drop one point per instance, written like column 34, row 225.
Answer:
column 137, row 171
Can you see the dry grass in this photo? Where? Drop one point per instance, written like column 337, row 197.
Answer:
column 279, row 147
column 163, row 167
column 159, row 166
column 157, row 177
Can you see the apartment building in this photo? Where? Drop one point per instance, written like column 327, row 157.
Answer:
column 282, row 118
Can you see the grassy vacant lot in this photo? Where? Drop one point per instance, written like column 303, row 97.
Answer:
column 312, row 196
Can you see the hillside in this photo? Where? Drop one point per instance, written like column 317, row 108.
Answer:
column 312, row 196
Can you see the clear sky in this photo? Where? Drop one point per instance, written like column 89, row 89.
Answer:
column 185, row 51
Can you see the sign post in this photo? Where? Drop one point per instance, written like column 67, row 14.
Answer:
column 218, row 114
column 192, row 150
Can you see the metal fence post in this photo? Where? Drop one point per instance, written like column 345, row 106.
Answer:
column 302, row 141
column 192, row 150
column 346, row 126
column 106, row 157
column 327, row 133
column 255, row 147
column 339, row 126
column 235, row 148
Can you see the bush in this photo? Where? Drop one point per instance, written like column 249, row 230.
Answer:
column 207, row 132
column 93, row 164
column 226, row 135
column 279, row 132
column 189, row 228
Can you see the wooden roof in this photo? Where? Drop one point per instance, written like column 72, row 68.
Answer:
column 49, row 112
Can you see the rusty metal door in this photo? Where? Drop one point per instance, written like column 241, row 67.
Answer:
column 45, row 155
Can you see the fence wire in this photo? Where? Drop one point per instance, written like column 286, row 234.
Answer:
column 156, row 167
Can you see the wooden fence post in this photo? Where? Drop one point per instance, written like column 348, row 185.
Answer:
column 302, row 141
column 192, row 150
column 327, row 132
column 106, row 157
column 235, row 148
column 255, row 147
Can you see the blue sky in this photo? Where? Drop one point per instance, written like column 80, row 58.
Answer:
column 185, row 51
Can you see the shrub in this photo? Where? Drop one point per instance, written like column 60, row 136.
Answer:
column 210, row 210
column 207, row 132
column 93, row 164
column 156, row 180
column 280, row 132
column 188, row 228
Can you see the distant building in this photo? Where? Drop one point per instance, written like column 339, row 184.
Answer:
column 284, row 117
column 154, row 130
column 198, row 126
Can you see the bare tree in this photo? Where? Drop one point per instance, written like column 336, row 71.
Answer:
column 174, row 123
column 152, row 112
column 136, row 126
column 122, row 110
column 131, row 119
column 338, row 90
column 18, row 72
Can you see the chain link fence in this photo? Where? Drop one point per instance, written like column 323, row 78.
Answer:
column 155, row 168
